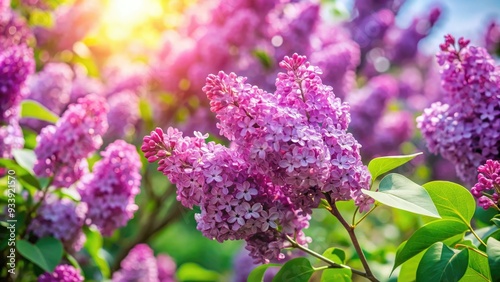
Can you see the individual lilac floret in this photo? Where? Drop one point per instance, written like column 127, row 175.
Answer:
column 487, row 188
column 166, row 268
column 62, row 273
column 139, row 265
column 111, row 188
column 465, row 127
column 80, row 128
column 16, row 64
column 62, row 219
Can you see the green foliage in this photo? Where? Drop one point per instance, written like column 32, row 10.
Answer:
column 452, row 200
column 426, row 236
column 441, row 263
column 22, row 175
column 264, row 58
column 381, row 165
column 93, row 245
column 336, row 274
column 194, row 272
column 257, row 274
column 399, row 192
column 25, row 158
column 46, row 252
column 297, row 270
column 493, row 252
column 478, row 268
column 33, row 109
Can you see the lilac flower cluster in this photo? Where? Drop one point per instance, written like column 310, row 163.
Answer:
column 141, row 265
column 110, row 189
column 62, row 219
column 288, row 149
column 488, row 180
column 123, row 114
column 465, row 127
column 492, row 38
column 80, row 128
column 62, row 273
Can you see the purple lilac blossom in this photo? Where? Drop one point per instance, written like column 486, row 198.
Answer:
column 51, row 87
column 14, row 30
column 487, row 188
column 16, row 64
column 465, row 127
column 62, row 219
column 11, row 138
column 166, row 268
column 120, row 76
column 80, row 128
column 83, row 85
column 288, row 148
column 123, row 114
column 62, row 273
column 139, row 265
column 492, row 38
column 112, row 186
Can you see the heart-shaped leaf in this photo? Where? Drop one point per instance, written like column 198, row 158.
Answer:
column 427, row 235
column 46, row 253
column 257, row 274
column 400, row 192
column 381, row 165
column 33, row 109
column 440, row 263
column 493, row 252
column 296, row 270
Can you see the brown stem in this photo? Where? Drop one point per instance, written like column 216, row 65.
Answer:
column 350, row 230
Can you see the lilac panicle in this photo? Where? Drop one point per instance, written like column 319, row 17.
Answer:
column 288, row 149
column 166, row 268
column 14, row 30
column 16, row 64
column 62, row 219
column 80, row 128
column 112, row 186
column 62, row 273
column 11, row 138
column 123, row 114
column 487, row 188
column 139, row 265
column 465, row 127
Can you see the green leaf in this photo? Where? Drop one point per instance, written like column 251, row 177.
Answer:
column 263, row 58
column 483, row 233
column 193, row 272
column 452, row 200
column 408, row 270
column 493, row 252
column 25, row 158
column 379, row 166
column 33, row 109
column 295, row 270
column 478, row 269
column 21, row 174
column 440, row 263
column 257, row 274
column 496, row 220
column 46, row 253
column 336, row 274
column 426, row 236
column 146, row 113
column 399, row 192
column 93, row 245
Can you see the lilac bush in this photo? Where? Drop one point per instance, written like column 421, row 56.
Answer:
column 62, row 273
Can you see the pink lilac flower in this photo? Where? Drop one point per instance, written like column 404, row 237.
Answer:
column 62, row 273
column 166, row 268
column 465, row 127
column 80, row 128
column 112, row 186
column 14, row 30
column 11, row 138
column 123, row 114
column 250, row 190
column 72, row 22
column 139, row 265
column 492, row 38
column 83, row 85
column 51, row 87
column 121, row 76
column 487, row 188
column 16, row 64
column 62, row 219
